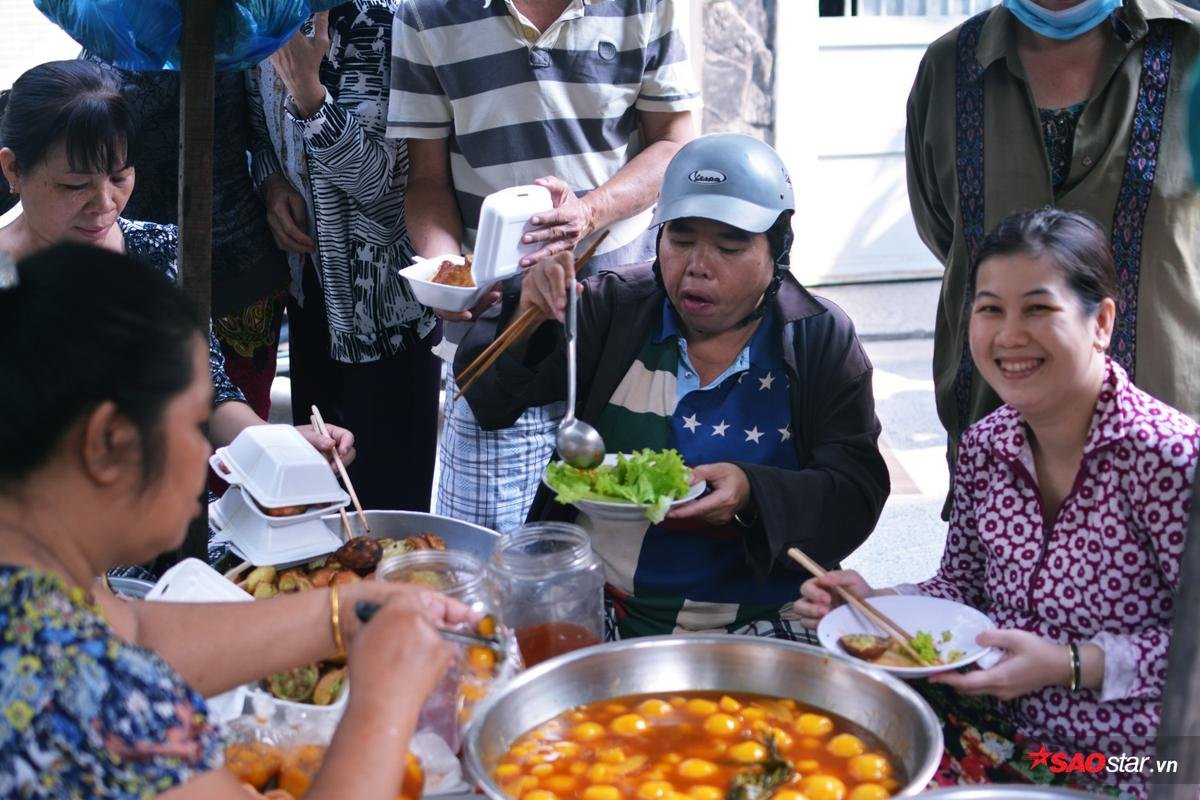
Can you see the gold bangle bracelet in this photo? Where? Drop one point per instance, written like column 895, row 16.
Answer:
column 335, row 622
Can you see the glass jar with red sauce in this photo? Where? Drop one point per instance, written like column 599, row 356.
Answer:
column 551, row 589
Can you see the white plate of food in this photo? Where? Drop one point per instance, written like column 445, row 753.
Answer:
column 948, row 627
column 446, row 282
column 617, row 509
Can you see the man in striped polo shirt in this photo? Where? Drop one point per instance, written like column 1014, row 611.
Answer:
column 590, row 98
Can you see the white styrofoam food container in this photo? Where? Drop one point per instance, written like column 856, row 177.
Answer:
column 438, row 295
column 503, row 220
column 193, row 581
column 268, row 541
column 278, row 467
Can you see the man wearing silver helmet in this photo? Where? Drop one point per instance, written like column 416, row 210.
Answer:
column 716, row 350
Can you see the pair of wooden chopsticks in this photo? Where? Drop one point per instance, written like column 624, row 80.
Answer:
column 886, row 623
column 319, row 423
column 513, row 333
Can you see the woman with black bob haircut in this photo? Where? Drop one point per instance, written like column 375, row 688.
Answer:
column 1067, row 529
column 102, row 455
column 67, row 148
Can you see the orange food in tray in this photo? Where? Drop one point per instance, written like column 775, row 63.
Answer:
column 451, row 274
column 288, row 772
column 698, row 745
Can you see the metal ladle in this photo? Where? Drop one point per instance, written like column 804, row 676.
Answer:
column 578, row 443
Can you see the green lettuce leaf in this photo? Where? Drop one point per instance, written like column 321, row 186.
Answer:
column 651, row 478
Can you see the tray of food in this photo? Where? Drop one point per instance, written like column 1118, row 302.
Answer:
column 324, row 686
column 400, row 525
column 285, row 771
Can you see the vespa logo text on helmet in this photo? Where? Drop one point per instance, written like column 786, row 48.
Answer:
column 706, row 176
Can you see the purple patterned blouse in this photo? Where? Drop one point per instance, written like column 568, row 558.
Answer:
column 1106, row 572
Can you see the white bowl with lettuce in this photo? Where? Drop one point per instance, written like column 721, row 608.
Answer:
column 626, row 487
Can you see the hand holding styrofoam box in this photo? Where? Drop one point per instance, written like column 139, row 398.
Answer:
column 278, row 467
column 268, row 541
column 503, row 222
column 499, row 248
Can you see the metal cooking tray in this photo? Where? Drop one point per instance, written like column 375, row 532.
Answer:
column 458, row 535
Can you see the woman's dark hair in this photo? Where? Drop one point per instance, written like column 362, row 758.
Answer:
column 83, row 326
column 1073, row 241
column 77, row 103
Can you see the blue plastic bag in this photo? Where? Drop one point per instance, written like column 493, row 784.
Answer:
column 130, row 34
column 144, row 34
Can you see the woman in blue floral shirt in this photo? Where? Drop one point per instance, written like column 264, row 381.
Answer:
column 102, row 456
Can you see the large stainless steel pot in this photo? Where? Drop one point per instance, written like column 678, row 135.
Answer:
column 459, row 535
column 997, row 792
column 883, row 705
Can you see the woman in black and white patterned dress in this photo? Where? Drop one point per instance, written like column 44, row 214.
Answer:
column 334, row 189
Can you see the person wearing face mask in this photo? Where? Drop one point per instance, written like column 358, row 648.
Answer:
column 715, row 350
column 1067, row 527
column 1075, row 104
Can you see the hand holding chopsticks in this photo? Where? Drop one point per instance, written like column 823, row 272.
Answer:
column 513, row 333
column 319, row 423
column 884, row 622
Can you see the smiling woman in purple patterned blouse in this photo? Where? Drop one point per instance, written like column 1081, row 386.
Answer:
column 1070, row 501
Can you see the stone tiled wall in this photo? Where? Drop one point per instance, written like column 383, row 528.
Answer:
column 738, row 71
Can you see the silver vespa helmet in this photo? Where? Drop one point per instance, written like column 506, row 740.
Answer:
column 727, row 177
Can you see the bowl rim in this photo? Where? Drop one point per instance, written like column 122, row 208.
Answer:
column 927, row 718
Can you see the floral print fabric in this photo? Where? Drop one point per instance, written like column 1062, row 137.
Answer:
column 157, row 245
column 84, row 714
column 1105, row 571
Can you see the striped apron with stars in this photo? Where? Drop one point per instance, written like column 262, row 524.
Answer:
column 692, row 576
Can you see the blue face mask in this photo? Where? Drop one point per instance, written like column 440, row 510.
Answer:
column 1066, row 24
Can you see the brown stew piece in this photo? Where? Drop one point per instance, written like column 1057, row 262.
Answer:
column 360, row 554
column 865, row 645
column 451, row 274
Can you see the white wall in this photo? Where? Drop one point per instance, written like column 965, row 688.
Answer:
column 27, row 39
column 841, row 87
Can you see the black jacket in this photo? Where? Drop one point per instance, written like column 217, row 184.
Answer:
column 827, row 508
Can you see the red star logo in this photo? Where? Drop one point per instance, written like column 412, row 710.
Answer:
column 1038, row 758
